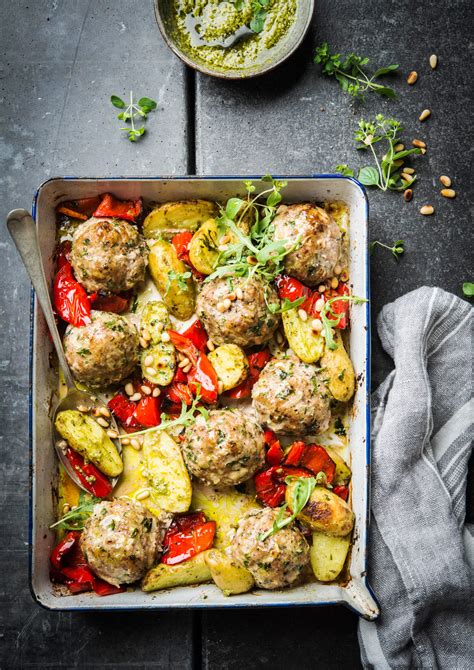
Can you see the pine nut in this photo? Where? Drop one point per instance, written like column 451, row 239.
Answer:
column 155, row 393
column 409, row 170
column 423, row 152
column 210, row 345
column 165, row 337
column 146, row 334
column 225, row 238
column 321, row 288
column 337, row 270
column 427, row 210
column 398, row 147
column 238, row 292
column 148, row 360
column 151, row 372
column 251, row 260
column 408, row 194
column 125, row 441
column 143, row 494
column 129, row 390
column 446, row 181
column 334, row 282
column 302, row 314
column 66, row 508
column 144, row 343
column 82, row 408
column 398, row 163
column 319, row 304
column 279, row 338
column 424, row 115
column 406, row 177
column 135, row 397
column 95, row 411
column 135, row 444
column 231, row 297
column 227, row 303
column 222, row 247
column 112, row 434
column 105, row 412
column 220, row 388
column 62, row 444
column 316, row 324
column 187, row 368
column 220, row 307
column 184, row 363
column 419, row 144
column 102, row 422
column 433, row 61
column 145, row 389
column 412, row 77
column 448, row 193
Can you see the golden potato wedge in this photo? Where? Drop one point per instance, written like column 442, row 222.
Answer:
column 306, row 343
column 339, row 370
column 173, row 279
column 167, row 476
column 230, row 577
column 173, row 217
column 162, row 367
column 328, row 554
column 231, row 365
column 155, row 319
column 225, row 507
column 343, row 471
column 203, row 248
column 193, row 571
column 84, row 435
column 325, row 511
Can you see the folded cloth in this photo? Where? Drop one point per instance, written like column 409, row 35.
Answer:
column 421, row 551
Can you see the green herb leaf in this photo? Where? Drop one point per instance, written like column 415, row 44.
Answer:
column 232, row 207
column 468, row 289
column 185, row 419
column 147, row 104
column 76, row 518
column 330, row 323
column 368, row 176
column 385, row 70
column 117, row 102
column 397, row 250
column 345, row 170
column 132, row 111
column 300, row 495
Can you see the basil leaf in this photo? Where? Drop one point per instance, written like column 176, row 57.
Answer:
column 385, row 70
column 368, row 176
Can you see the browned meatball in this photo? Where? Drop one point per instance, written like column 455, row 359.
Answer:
column 248, row 321
column 321, row 245
column 276, row 562
column 108, row 255
column 104, row 352
column 224, row 450
column 290, row 397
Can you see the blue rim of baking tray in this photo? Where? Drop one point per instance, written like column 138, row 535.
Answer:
column 367, row 376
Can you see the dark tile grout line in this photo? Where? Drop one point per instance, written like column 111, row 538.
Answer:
column 190, row 84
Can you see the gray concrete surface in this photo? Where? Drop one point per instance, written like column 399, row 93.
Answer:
column 59, row 62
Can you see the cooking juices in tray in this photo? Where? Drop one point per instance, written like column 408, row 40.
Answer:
column 216, row 333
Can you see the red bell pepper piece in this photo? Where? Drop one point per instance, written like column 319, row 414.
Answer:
column 269, row 492
column 184, row 345
column 110, row 206
column 341, row 491
column 243, row 390
column 181, row 243
column 317, row 459
column 294, row 454
column 63, row 548
column 102, row 588
column 85, row 206
column 187, row 536
column 124, row 410
column 257, row 362
column 70, row 298
column 63, row 254
column 341, row 306
column 109, row 303
column 270, row 437
column 79, row 579
column 180, row 376
column 202, row 379
column 197, row 335
column 275, row 454
column 281, row 472
column 147, row 411
column 178, row 393
column 291, row 288
column 90, row 477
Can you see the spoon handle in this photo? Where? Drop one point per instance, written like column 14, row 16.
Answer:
column 22, row 228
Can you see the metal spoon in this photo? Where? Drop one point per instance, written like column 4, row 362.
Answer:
column 22, row 228
column 197, row 41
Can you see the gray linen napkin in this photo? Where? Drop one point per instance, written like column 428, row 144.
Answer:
column 421, row 552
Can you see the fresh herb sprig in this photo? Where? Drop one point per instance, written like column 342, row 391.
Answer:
column 330, row 323
column 259, row 13
column 397, row 250
column 132, row 112
column 76, row 517
column 350, row 73
column 468, row 289
column 181, row 279
column 387, row 173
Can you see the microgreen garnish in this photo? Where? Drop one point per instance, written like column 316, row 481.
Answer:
column 397, row 250
column 76, row 518
column 468, row 289
column 133, row 111
column 180, row 278
column 259, row 9
column 350, row 74
column 388, row 173
column 285, row 305
column 328, row 323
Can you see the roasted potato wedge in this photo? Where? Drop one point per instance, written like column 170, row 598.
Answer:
column 225, row 507
column 343, row 471
column 328, row 555
column 193, row 571
column 164, row 469
column 161, row 370
column 173, row 217
column 307, row 344
column 340, row 371
column 203, row 248
column 325, row 511
column 84, row 435
column 155, row 319
column 173, row 279
column 231, row 365
column 230, row 577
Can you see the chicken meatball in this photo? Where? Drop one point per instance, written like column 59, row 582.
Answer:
column 291, row 397
column 248, row 321
column 104, row 352
column 122, row 540
column 276, row 562
column 108, row 255
column 321, row 245
column 224, row 450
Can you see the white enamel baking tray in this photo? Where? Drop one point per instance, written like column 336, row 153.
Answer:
column 356, row 594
